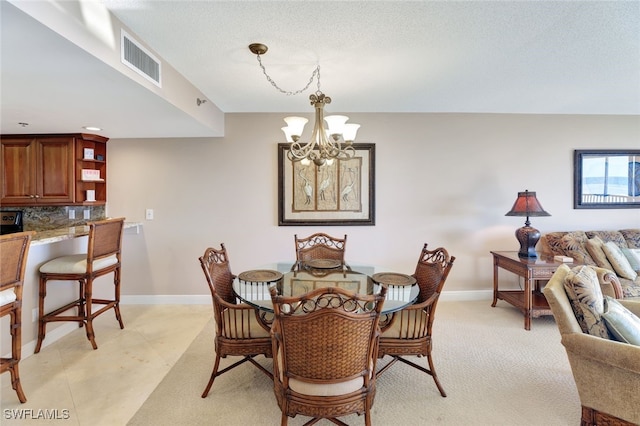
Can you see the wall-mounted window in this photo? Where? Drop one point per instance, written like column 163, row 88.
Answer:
column 606, row 179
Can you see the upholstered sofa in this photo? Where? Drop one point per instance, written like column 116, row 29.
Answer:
column 586, row 247
column 606, row 371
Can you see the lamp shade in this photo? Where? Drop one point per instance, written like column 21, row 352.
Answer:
column 527, row 205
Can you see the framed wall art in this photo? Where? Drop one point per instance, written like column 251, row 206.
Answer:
column 606, row 179
column 341, row 193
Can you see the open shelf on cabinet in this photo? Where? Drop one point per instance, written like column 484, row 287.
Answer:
column 86, row 146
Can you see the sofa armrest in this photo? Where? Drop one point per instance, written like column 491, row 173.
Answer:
column 609, row 353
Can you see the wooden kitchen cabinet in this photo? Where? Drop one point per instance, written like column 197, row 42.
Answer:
column 45, row 170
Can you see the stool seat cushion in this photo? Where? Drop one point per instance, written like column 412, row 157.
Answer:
column 7, row 296
column 75, row 264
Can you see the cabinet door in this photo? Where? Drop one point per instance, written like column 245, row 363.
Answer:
column 55, row 170
column 37, row 171
column 18, row 171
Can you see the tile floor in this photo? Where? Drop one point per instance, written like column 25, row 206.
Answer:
column 70, row 381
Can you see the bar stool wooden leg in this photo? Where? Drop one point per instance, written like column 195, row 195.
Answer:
column 41, row 319
column 116, row 308
column 16, row 348
column 81, row 302
column 15, row 383
column 88, row 317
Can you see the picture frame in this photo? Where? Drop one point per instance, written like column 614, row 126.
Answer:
column 606, row 179
column 342, row 193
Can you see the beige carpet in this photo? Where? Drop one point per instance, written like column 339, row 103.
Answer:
column 494, row 373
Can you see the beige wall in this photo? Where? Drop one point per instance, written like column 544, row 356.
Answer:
column 444, row 179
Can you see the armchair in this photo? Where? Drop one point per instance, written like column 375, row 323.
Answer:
column 606, row 372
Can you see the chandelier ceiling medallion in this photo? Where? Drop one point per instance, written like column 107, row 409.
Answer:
column 326, row 143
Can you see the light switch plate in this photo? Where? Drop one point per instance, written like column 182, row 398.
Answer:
column 149, row 214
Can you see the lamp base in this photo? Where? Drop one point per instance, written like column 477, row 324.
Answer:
column 528, row 237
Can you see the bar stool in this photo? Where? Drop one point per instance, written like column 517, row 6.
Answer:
column 14, row 249
column 102, row 257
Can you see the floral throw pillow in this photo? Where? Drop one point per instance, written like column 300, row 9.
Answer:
column 551, row 242
column 574, row 244
column 583, row 290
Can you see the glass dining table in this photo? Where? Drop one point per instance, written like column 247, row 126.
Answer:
column 252, row 287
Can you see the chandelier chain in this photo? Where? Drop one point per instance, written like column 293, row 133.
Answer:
column 315, row 74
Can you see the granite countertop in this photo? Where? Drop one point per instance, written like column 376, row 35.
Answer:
column 61, row 234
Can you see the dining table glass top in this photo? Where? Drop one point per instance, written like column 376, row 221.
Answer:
column 252, row 287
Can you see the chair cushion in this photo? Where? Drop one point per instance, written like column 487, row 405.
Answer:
column 7, row 296
column 583, row 290
column 623, row 324
column 594, row 247
column 240, row 323
column 332, row 389
column 404, row 325
column 75, row 264
column 319, row 389
column 619, row 261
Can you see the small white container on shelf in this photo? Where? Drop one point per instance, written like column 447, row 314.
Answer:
column 91, row 195
column 88, row 154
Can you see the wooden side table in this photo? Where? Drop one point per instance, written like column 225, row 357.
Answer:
column 530, row 301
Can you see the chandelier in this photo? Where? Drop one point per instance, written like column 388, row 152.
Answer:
column 333, row 141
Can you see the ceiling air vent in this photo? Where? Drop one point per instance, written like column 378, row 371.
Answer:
column 139, row 59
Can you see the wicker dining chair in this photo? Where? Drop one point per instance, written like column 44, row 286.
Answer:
column 409, row 331
column 14, row 250
column 325, row 350
column 320, row 246
column 239, row 330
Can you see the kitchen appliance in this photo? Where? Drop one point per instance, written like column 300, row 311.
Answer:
column 11, row 222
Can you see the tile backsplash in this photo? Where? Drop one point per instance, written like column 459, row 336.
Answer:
column 54, row 217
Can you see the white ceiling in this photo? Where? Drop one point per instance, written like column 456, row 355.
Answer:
column 530, row 57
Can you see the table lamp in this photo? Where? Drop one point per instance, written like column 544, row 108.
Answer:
column 527, row 205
